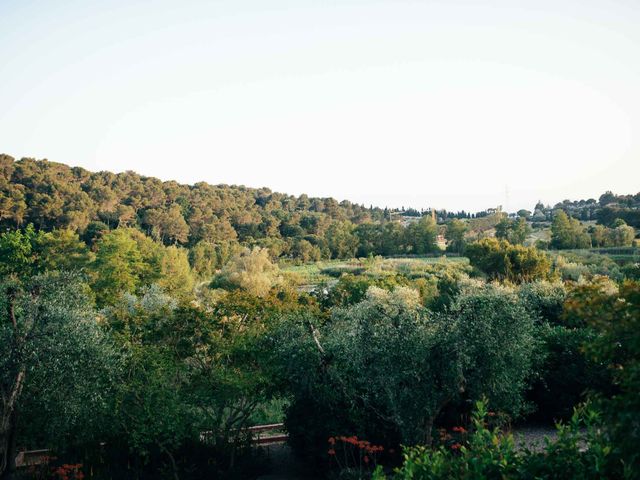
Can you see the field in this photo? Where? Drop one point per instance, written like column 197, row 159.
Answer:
column 328, row 271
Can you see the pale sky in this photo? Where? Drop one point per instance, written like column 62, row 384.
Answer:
column 392, row 103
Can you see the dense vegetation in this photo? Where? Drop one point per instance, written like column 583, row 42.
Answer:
column 202, row 216
column 206, row 218
column 145, row 325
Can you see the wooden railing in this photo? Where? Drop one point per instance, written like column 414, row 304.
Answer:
column 27, row 458
column 263, row 435
column 260, row 435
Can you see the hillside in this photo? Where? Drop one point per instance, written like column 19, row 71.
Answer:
column 53, row 195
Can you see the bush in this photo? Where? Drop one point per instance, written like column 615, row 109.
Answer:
column 580, row 452
column 251, row 271
column 543, row 300
column 337, row 271
column 565, row 374
column 496, row 338
column 500, row 260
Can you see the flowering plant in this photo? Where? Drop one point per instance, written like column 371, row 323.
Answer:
column 353, row 457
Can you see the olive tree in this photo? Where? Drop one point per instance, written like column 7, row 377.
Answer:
column 55, row 364
column 496, row 338
column 382, row 368
column 386, row 367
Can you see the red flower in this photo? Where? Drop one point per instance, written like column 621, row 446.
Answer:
column 331, row 451
column 366, row 459
column 455, row 446
column 332, row 441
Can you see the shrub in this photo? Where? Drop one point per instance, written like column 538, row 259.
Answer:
column 543, row 300
column 615, row 314
column 500, row 260
column 565, row 374
column 580, row 452
column 495, row 334
column 251, row 271
column 337, row 271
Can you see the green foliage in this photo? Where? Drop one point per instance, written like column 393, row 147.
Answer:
column 176, row 275
column 339, row 270
column 190, row 370
column 562, row 374
column 118, row 267
column 56, row 367
column 565, row 374
column 514, row 231
column 615, row 314
column 251, row 271
column 341, row 240
column 543, row 300
column 16, row 252
column 420, row 237
column 567, row 232
column 455, row 233
column 485, row 454
column 305, row 251
column 385, row 367
column 500, row 260
column 580, row 452
column 62, row 250
column 496, row 337
column 54, row 196
column 372, row 369
column 610, row 213
column 207, row 257
column 577, row 266
column 352, row 288
column 169, row 374
column 620, row 235
column 631, row 271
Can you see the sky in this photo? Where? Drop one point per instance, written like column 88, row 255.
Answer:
column 447, row 104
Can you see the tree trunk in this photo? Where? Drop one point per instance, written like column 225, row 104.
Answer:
column 8, row 427
column 174, row 466
column 428, row 427
column 10, row 450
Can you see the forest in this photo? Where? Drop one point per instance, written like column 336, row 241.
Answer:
column 147, row 326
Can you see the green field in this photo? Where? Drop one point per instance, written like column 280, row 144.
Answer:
column 329, row 270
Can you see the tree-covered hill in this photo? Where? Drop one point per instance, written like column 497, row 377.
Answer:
column 53, row 195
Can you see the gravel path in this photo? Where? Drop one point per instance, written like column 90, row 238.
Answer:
column 532, row 437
